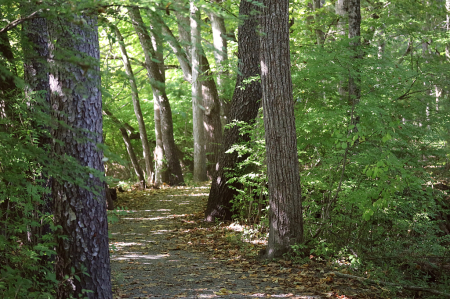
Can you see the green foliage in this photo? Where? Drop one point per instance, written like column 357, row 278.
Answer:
column 249, row 177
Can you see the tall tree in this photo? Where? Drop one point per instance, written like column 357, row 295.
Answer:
column 285, row 214
column 354, row 33
column 82, row 261
column 137, row 107
column 244, row 107
column 158, row 83
column 157, row 42
column 197, row 99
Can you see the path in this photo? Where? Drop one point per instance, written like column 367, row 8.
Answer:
column 161, row 248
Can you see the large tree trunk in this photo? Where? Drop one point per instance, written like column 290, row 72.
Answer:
column 137, row 107
column 129, row 147
column 244, row 107
column 197, row 99
column 285, row 215
column 79, row 212
column 158, row 83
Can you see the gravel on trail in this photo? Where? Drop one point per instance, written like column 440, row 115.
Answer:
column 160, row 248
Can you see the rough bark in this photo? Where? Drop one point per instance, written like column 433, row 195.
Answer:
column 157, row 82
column 79, row 212
column 244, row 107
column 285, row 215
column 129, row 147
column 197, row 98
column 137, row 108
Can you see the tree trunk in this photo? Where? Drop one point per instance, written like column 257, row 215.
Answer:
column 285, row 215
column 157, row 82
column 8, row 89
column 159, row 148
column 221, row 58
column 36, row 76
column 354, row 33
column 211, row 118
column 244, row 107
column 137, row 107
column 341, row 10
column 197, row 99
column 130, row 150
column 211, row 101
column 80, row 213
column 179, row 52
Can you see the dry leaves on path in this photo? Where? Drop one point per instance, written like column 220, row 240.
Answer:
column 161, row 247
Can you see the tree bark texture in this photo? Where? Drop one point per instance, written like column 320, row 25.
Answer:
column 156, row 35
column 285, row 215
column 158, row 83
column 80, row 213
column 244, row 107
column 211, row 118
column 197, row 99
column 129, row 147
column 137, row 108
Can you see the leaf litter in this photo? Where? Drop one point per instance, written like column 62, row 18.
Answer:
column 162, row 248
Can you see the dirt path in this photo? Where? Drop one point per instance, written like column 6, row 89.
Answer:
column 161, row 248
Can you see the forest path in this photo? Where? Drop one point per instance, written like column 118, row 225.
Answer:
column 162, row 248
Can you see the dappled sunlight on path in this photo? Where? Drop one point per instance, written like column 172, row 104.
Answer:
column 161, row 247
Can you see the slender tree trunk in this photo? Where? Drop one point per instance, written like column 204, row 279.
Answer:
column 157, row 82
column 80, row 213
column 354, row 33
column 137, row 107
column 447, row 47
column 319, row 33
column 221, row 58
column 159, row 149
column 197, row 99
column 244, row 107
column 341, row 7
column 285, row 215
column 129, row 147
column 211, row 118
column 179, row 52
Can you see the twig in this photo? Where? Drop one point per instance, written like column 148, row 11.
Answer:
column 406, row 287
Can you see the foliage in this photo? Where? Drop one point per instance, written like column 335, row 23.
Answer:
column 249, row 177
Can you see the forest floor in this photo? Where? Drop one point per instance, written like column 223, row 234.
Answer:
column 161, row 247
